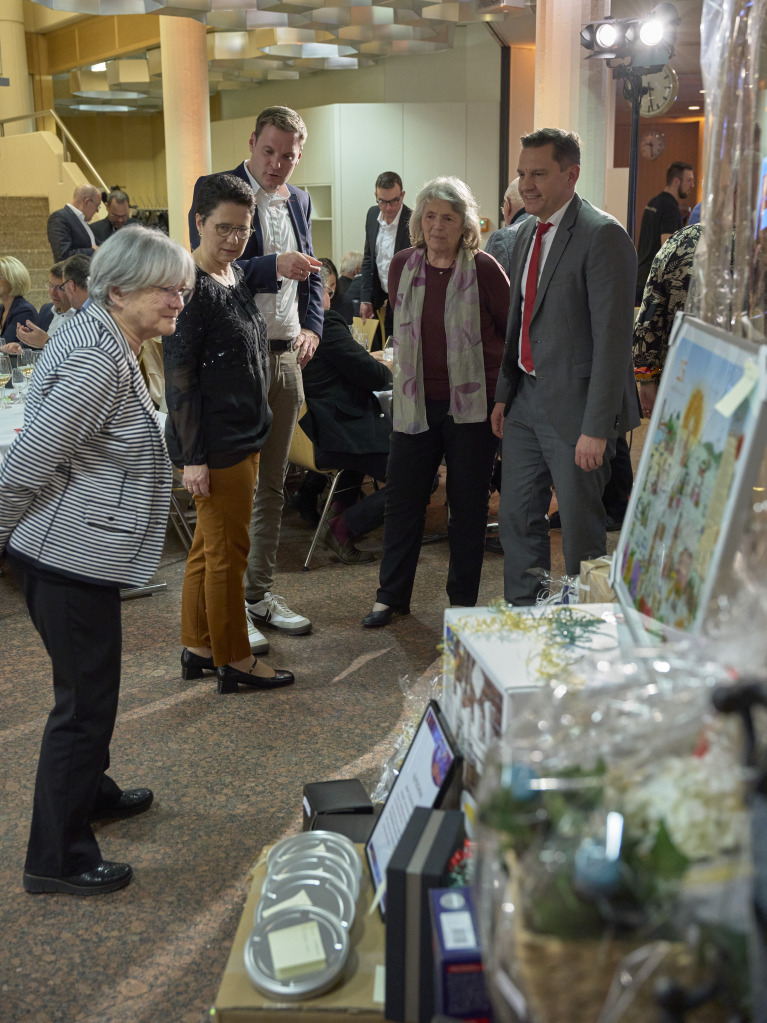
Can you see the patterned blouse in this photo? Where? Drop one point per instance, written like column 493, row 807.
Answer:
column 665, row 294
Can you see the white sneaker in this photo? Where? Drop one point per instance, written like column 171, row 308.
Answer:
column 273, row 611
column 259, row 644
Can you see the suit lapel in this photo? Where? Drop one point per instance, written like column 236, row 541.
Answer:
column 558, row 246
column 299, row 221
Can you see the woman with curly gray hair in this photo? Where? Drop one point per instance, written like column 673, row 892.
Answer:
column 84, row 493
column 450, row 306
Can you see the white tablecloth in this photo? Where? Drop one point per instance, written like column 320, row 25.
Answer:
column 11, row 420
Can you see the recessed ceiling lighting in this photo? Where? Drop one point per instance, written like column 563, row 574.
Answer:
column 100, row 108
column 693, row 108
column 105, row 94
column 99, row 67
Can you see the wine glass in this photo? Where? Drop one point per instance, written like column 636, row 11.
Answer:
column 25, row 363
column 5, row 376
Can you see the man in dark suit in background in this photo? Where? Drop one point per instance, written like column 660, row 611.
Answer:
column 567, row 388
column 68, row 231
column 118, row 214
column 387, row 230
column 289, row 294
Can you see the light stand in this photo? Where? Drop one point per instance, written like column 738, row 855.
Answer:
column 633, row 90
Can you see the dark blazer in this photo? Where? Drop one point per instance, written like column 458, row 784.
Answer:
column 343, row 413
column 67, row 235
column 19, row 312
column 45, row 316
column 372, row 290
column 104, row 229
column 340, row 302
column 581, row 330
column 261, row 272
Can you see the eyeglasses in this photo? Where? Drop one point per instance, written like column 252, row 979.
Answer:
column 330, row 291
column 171, row 292
column 225, row 230
column 55, row 287
column 390, row 202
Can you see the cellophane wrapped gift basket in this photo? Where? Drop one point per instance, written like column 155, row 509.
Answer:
column 612, row 861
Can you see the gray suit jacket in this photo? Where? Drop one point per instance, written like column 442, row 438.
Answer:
column 581, row 330
column 501, row 243
column 67, row 236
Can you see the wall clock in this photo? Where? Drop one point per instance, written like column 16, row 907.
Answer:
column 652, row 144
column 662, row 89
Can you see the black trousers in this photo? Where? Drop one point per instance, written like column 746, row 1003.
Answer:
column 80, row 625
column 468, row 450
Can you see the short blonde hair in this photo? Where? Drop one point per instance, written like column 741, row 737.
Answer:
column 16, row 274
column 459, row 195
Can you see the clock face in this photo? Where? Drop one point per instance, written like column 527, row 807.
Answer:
column 659, row 92
column 652, row 145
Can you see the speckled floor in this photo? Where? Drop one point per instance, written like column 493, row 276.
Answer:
column 227, row 773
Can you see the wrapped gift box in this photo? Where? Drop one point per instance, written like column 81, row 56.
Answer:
column 494, row 659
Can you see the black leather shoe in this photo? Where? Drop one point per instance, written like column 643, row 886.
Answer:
column 106, row 877
column 554, row 521
column 230, row 679
column 377, row 619
column 493, row 543
column 130, row 803
column 193, row 666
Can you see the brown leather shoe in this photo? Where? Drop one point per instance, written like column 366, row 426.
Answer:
column 347, row 552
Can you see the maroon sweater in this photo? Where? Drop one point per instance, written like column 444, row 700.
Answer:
column 493, row 287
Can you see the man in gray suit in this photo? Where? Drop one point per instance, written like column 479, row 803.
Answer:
column 567, row 389
column 501, row 243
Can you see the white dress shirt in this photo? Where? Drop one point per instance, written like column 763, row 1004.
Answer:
column 281, row 310
column 81, row 217
column 555, row 220
column 385, row 242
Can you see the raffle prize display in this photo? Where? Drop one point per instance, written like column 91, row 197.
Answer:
column 573, row 828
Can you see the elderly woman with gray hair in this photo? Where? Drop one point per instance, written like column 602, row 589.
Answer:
column 84, row 493
column 450, row 306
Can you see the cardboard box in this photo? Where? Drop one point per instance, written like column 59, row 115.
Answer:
column 460, row 991
column 239, row 1002
column 495, row 661
column 595, row 585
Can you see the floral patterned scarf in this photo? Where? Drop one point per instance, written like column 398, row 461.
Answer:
column 465, row 357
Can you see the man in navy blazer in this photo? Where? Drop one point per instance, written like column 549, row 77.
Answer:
column 283, row 274
column 387, row 230
column 567, row 388
column 69, row 233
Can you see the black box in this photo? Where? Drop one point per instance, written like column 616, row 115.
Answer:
column 355, row 826
column 346, row 795
column 418, row 864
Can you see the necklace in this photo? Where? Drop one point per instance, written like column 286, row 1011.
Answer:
column 440, row 269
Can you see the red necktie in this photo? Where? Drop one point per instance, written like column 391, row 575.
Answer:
column 531, row 290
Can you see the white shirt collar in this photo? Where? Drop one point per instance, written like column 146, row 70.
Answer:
column 556, row 218
column 78, row 213
column 258, row 190
column 394, row 224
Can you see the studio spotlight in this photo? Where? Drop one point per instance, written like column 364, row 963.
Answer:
column 606, row 36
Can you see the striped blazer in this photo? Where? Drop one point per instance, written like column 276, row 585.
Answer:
column 85, row 487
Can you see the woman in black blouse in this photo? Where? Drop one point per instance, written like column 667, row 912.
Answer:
column 216, row 386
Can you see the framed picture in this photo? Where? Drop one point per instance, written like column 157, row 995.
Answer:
column 693, row 492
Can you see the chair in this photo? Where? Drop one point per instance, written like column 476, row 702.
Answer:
column 302, row 453
column 368, row 327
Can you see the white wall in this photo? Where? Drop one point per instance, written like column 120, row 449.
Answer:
column 418, row 140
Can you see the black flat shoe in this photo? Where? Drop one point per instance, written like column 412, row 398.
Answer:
column 106, row 877
column 130, row 803
column 193, row 666
column 377, row 619
column 230, row 679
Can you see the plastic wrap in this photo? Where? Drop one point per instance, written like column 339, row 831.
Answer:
column 729, row 278
column 612, row 817
column 416, row 699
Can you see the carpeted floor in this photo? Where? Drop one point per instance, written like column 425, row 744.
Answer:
column 227, row 773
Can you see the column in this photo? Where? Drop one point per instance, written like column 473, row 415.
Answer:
column 186, row 114
column 15, row 98
column 570, row 91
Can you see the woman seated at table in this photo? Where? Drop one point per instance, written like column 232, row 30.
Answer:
column 84, row 494
column 15, row 282
column 216, row 387
column 450, row 306
column 347, row 426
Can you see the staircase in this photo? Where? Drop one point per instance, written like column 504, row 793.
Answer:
column 23, row 235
